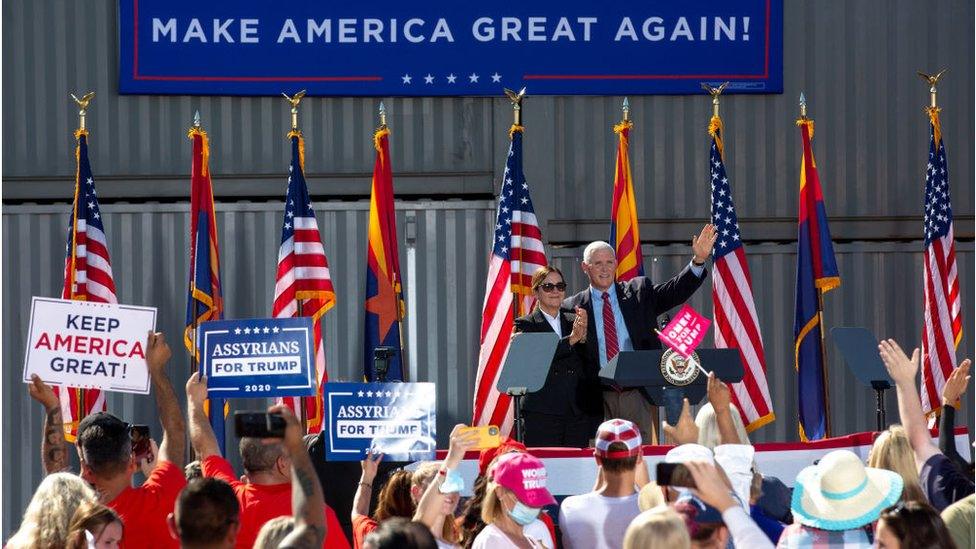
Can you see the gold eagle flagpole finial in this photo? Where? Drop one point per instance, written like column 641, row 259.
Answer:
column 83, row 107
column 516, row 99
column 714, row 92
column 933, row 81
column 294, row 100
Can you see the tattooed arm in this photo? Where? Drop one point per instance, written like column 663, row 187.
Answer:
column 307, row 500
column 54, row 451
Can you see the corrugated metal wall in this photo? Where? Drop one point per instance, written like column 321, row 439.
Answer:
column 444, row 262
column 855, row 59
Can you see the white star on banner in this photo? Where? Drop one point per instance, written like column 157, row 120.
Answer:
column 406, row 78
column 473, row 78
column 429, row 79
column 496, row 77
column 451, row 78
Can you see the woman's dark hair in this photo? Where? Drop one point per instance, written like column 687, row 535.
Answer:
column 394, row 498
column 471, row 523
column 542, row 272
column 400, row 533
column 917, row 525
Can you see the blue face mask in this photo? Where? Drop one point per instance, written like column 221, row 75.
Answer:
column 523, row 514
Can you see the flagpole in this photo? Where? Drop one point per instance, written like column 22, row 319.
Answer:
column 294, row 101
column 820, row 321
column 516, row 99
column 82, row 130
column 397, row 289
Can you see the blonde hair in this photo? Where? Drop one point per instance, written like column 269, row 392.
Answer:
column 650, row 496
column 424, row 472
column 893, row 451
column 708, row 435
column 491, row 506
column 659, row 528
column 48, row 515
column 273, row 532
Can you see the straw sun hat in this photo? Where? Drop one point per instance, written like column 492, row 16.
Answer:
column 840, row 493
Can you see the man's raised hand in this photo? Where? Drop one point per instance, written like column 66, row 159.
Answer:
column 158, row 353
column 702, row 244
column 42, row 393
column 956, row 384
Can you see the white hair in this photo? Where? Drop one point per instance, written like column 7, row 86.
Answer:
column 707, row 423
column 593, row 247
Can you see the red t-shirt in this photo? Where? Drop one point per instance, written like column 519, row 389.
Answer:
column 361, row 527
column 263, row 502
column 144, row 509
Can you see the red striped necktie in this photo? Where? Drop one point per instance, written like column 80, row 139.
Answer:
column 609, row 328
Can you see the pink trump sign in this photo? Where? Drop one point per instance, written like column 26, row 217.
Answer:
column 685, row 331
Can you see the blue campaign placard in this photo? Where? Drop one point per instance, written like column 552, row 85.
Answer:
column 396, row 419
column 258, row 357
column 448, row 48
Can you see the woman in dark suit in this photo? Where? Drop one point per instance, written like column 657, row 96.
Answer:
column 559, row 414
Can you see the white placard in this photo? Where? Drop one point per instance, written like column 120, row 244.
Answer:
column 89, row 345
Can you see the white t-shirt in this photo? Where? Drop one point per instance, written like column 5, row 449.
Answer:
column 592, row 521
column 491, row 537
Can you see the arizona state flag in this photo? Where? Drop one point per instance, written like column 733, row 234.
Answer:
column 624, row 234
column 816, row 274
column 203, row 301
column 384, row 299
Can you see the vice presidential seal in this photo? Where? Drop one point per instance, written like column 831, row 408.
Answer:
column 677, row 370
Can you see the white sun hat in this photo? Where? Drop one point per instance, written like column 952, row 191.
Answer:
column 840, row 493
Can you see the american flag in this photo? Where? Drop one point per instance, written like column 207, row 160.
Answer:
column 736, row 323
column 517, row 252
column 303, row 286
column 87, row 277
column 943, row 319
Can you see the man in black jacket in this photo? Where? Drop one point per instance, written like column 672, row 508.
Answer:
column 623, row 316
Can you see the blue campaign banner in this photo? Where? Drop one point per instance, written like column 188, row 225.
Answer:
column 395, row 419
column 445, row 47
column 258, row 357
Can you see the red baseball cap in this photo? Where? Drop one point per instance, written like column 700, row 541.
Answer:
column 488, row 455
column 525, row 475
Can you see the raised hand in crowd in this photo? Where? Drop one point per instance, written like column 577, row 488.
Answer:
column 54, row 450
column 364, row 491
column 173, row 446
column 954, row 387
column 720, row 398
column 202, row 438
column 148, row 463
column 685, row 432
column 702, row 244
column 434, row 502
column 579, row 327
column 903, row 371
column 307, row 499
column 956, row 384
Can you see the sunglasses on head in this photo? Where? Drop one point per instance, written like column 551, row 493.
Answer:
column 549, row 286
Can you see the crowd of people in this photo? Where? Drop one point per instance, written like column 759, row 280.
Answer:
column 911, row 493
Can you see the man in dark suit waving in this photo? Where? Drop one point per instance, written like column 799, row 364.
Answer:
column 623, row 316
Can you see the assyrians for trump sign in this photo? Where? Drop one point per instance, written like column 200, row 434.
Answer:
column 256, row 358
column 89, row 345
column 685, row 331
column 395, row 419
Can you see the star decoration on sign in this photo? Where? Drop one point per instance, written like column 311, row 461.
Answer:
column 451, row 78
column 275, row 330
column 473, row 78
column 406, row 78
column 247, row 331
column 429, row 79
column 496, row 78
column 237, row 331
